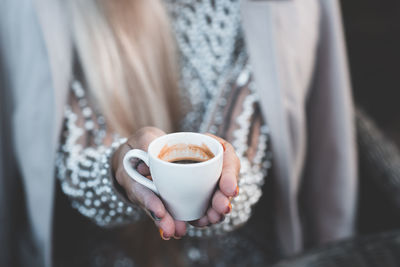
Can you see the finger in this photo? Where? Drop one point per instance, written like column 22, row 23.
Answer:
column 143, row 137
column 141, row 195
column 221, row 203
column 143, row 169
column 166, row 226
column 180, row 229
column 148, row 199
column 151, row 202
column 230, row 170
column 202, row 222
column 213, row 216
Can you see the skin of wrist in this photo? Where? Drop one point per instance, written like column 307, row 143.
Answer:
column 115, row 159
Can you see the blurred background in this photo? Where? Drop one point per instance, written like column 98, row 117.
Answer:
column 372, row 31
column 373, row 42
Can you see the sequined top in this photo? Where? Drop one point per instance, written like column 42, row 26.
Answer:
column 218, row 96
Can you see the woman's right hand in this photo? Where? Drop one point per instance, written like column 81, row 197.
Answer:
column 141, row 195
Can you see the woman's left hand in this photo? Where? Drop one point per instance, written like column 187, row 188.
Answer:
column 227, row 187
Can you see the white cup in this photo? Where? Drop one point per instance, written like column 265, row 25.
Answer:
column 185, row 189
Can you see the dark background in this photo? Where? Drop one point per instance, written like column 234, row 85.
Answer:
column 372, row 30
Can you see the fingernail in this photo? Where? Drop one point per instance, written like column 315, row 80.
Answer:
column 162, row 234
column 153, row 215
column 223, row 146
column 229, row 208
column 177, row 237
column 237, row 191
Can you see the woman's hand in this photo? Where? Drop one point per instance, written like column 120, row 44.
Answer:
column 227, row 187
column 141, row 195
column 137, row 193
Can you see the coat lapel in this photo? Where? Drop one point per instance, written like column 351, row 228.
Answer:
column 259, row 24
column 40, row 185
column 59, row 48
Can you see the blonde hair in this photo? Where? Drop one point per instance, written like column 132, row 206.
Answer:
column 128, row 58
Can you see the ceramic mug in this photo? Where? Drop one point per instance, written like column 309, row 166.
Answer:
column 185, row 189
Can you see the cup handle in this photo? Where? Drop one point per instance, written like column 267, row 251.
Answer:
column 133, row 173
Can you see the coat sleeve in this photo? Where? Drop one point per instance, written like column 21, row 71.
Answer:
column 83, row 165
column 330, row 177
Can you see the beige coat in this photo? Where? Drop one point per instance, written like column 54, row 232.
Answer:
column 298, row 56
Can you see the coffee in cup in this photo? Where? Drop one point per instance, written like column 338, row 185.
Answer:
column 185, row 153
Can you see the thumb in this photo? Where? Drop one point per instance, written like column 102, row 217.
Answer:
column 143, row 137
